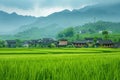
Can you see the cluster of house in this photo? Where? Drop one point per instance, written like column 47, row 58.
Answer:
column 46, row 42
column 91, row 42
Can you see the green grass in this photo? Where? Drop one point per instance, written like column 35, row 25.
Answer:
column 60, row 64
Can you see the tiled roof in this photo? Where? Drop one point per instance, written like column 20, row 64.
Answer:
column 105, row 42
column 83, row 42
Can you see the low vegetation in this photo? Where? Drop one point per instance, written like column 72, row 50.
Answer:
column 60, row 64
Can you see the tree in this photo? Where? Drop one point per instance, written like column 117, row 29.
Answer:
column 2, row 44
column 105, row 34
column 119, row 40
column 69, row 32
column 78, row 36
column 53, row 45
column 60, row 35
column 18, row 43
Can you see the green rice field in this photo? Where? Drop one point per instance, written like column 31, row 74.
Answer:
column 60, row 64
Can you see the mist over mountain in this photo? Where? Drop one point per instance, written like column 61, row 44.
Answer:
column 49, row 26
column 11, row 22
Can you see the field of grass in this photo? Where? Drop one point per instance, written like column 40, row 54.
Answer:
column 60, row 64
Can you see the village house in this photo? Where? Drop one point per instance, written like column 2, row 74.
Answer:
column 47, row 40
column 105, row 43
column 11, row 43
column 80, row 43
column 62, row 42
column 90, row 42
column 117, row 45
column 26, row 43
column 33, row 43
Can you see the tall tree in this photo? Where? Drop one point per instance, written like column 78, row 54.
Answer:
column 18, row 43
column 69, row 32
column 105, row 34
column 2, row 44
column 78, row 36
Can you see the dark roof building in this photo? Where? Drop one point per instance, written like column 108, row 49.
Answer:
column 105, row 43
column 117, row 45
column 80, row 43
column 11, row 43
column 89, row 40
column 47, row 40
column 33, row 41
column 26, row 43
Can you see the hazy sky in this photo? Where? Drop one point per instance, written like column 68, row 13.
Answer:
column 46, row 7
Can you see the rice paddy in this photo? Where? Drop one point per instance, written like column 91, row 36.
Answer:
column 60, row 64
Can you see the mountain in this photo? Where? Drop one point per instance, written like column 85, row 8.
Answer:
column 11, row 22
column 66, row 18
column 88, row 28
column 49, row 26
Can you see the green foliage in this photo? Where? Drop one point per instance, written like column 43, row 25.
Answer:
column 69, row 32
column 99, row 26
column 70, row 46
column 18, row 43
column 119, row 40
column 74, row 64
column 105, row 34
column 52, row 31
column 108, row 29
column 77, row 36
column 2, row 44
column 53, row 45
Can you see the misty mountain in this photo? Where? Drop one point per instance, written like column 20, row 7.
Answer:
column 11, row 22
column 49, row 26
column 89, row 29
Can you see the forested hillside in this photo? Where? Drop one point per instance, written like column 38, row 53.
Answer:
column 99, row 26
column 91, row 30
column 86, row 30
